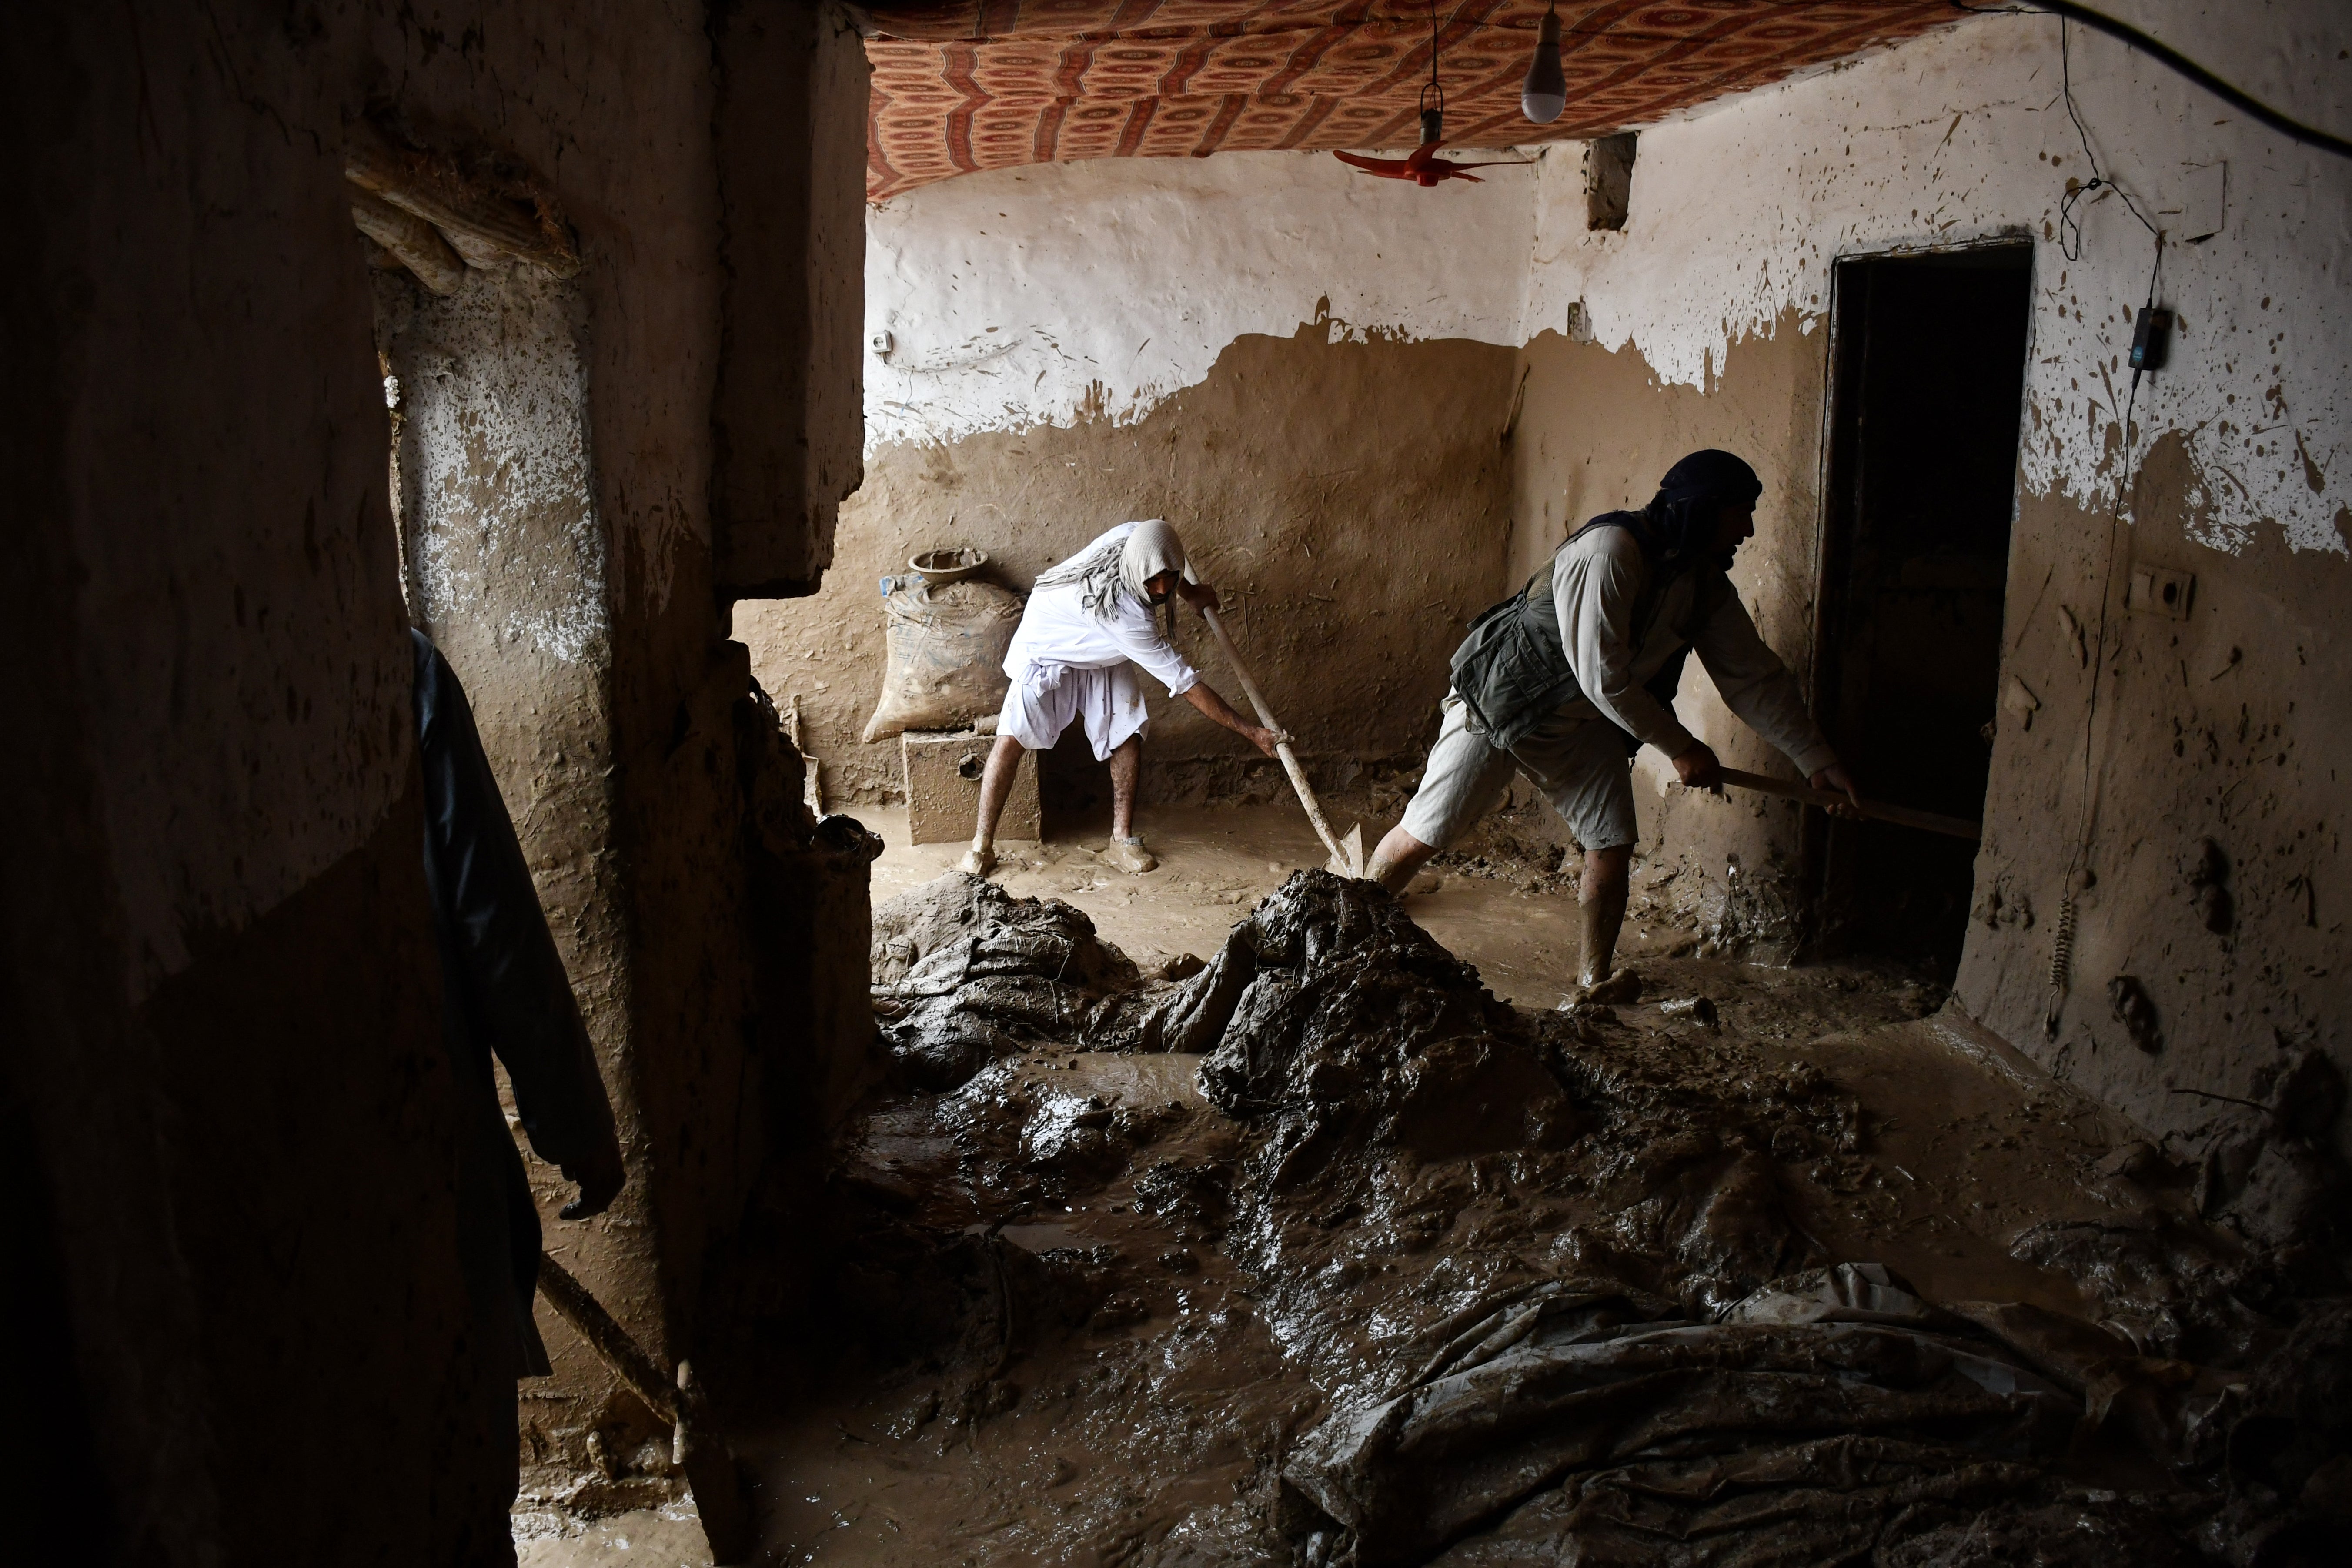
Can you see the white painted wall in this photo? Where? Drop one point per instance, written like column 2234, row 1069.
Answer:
column 1024, row 297
column 1033, row 296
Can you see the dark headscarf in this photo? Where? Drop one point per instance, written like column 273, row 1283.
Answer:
column 1681, row 516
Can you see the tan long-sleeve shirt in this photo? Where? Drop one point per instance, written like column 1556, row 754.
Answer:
column 1596, row 582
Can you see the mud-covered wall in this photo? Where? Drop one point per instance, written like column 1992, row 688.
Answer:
column 504, row 547
column 575, row 461
column 1350, row 557
column 1305, row 369
column 222, row 1006
column 238, row 1107
column 2227, row 727
column 789, row 132
column 554, row 460
column 1045, row 295
column 1596, row 430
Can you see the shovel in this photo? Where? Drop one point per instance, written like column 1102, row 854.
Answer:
column 1908, row 816
column 712, row 1474
column 1348, row 852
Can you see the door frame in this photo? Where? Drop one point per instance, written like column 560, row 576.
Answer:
column 1814, row 824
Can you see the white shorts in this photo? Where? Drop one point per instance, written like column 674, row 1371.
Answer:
column 1044, row 697
column 1581, row 765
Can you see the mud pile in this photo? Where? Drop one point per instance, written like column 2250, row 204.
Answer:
column 1401, row 1110
column 1329, row 1010
column 1524, row 1288
column 965, row 974
column 1643, row 1362
column 2212, row 1261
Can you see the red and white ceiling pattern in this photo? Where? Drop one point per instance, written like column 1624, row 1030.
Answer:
column 964, row 85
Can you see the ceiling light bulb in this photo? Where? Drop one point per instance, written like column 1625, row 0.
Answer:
column 1545, row 92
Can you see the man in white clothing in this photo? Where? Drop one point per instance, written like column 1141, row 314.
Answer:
column 1090, row 624
column 1568, row 679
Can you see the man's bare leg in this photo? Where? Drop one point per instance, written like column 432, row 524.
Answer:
column 1602, row 891
column 995, row 784
column 1127, row 850
column 1126, row 766
column 1396, row 857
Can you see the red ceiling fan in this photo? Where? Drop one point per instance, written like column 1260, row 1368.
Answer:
column 1422, row 166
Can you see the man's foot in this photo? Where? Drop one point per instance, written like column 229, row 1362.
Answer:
column 977, row 862
column 1622, row 989
column 1129, row 856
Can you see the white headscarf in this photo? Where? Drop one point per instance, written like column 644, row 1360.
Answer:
column 1151, row 548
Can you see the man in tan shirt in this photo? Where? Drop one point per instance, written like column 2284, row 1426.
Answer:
column 1564, row 681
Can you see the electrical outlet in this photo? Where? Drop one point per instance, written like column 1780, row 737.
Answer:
column 2158, row 591
column 882, row 344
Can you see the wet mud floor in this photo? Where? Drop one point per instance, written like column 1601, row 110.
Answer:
column 1088, row 1315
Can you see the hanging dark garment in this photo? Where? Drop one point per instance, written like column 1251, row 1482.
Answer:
column 504, row 990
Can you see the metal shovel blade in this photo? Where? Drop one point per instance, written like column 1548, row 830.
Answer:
column 1348, row 859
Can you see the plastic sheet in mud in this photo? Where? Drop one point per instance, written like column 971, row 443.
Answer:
column 1824, row 1419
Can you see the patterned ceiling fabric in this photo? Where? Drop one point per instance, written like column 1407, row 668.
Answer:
column 962, row 85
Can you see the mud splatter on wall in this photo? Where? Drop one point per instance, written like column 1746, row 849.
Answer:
column 1739, row 216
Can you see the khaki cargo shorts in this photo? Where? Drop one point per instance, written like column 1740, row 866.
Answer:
column 1579, row 763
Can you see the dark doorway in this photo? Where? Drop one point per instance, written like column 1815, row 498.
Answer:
column 1928, row 371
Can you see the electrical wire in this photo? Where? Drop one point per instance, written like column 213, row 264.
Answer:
column 2062, row 953
column 1433, row 84
column 1434, row 34
column 2164, row 54
column 2070, row 227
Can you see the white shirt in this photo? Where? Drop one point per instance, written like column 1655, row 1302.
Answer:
column 1056, row 629
column 1595, row 583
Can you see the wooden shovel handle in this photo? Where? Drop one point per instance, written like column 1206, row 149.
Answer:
column 1282, row 748
column 1903, row 815
column 611, row 1341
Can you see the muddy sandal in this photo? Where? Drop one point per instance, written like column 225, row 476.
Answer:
column 1129, row 856
column 1622, row 989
